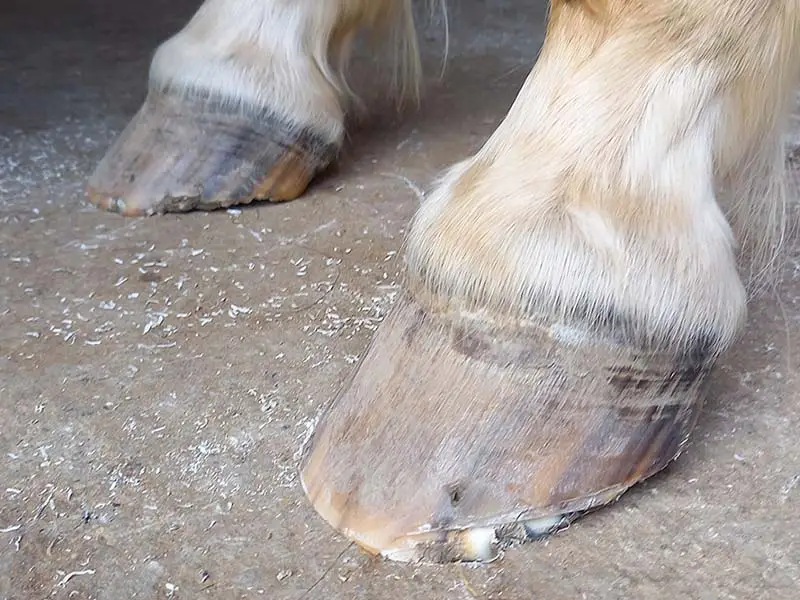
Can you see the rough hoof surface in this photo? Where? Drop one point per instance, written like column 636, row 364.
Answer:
column 184, row 153
column 459, row 435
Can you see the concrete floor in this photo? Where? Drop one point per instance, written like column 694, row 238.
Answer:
column 158, row 376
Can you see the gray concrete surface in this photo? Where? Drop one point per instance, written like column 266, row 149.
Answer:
column 158, row 376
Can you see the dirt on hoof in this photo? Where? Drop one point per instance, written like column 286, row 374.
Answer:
column 192, row 152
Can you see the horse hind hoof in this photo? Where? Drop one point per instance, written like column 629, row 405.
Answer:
column 458, row 436
column 181, row 153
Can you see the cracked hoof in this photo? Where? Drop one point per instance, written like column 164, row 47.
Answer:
column 458, row 436
column 184, row 153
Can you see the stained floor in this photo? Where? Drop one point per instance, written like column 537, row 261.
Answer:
column 158, row 376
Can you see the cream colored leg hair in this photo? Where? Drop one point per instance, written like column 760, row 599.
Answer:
column 286, row 55
column 599, row 196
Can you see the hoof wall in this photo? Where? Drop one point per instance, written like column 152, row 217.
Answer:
column 457, row 436
column 182, row 154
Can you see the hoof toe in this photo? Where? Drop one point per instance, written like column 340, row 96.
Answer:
column 181, row 154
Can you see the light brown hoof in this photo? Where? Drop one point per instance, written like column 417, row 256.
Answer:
column 184, row 153
column 457, row 436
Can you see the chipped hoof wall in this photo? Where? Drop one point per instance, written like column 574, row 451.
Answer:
column 188, row 153
column 479, row 544
column 475, row 544
column 457, row 436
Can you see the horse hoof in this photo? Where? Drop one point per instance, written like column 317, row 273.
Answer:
column 460, row 434
column 185, row 153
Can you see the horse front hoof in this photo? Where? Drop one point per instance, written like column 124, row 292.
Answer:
column 461, row 434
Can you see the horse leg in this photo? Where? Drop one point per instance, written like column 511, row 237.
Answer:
column 570, row 286
column 246, row 102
